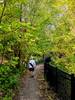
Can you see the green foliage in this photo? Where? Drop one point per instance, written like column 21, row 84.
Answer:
column 9, row 79
column 60, row 31
column 28, row 29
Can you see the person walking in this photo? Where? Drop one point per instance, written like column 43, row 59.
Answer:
column 31, row 66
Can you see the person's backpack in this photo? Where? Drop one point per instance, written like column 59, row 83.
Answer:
column 31, row 65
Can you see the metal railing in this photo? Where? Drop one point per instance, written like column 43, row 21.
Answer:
column 62, row 82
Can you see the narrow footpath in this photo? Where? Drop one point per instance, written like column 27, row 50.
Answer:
column 35, row 88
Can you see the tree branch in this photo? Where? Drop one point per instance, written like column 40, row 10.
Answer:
column 3, row 11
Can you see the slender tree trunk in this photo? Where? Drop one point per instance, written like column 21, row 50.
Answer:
column 19, row 55
column 2, row 59
column 21, row 12
column 3, row 11
column 2, row 56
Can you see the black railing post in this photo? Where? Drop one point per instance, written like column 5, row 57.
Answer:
column 45, row 74
column 56, row 80
column 72, row 87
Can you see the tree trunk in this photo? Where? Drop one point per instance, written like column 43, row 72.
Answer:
column 3, row 11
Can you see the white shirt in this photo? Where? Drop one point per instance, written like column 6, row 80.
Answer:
column 33, row 63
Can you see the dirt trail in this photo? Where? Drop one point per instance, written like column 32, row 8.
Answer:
column 35, row 88
column 29, row 89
